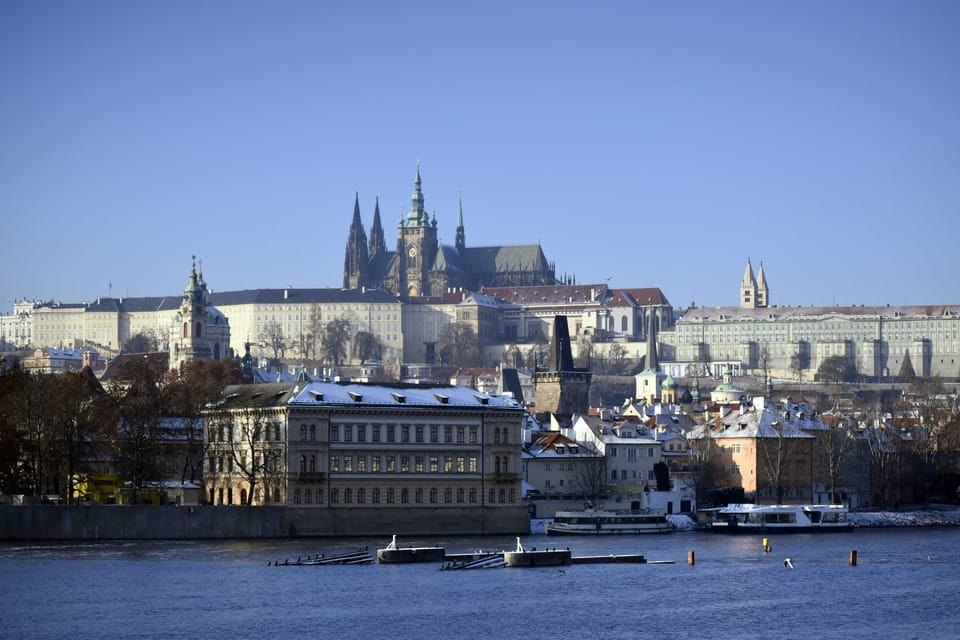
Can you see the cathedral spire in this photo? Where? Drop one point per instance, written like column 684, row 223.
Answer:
column 355, row 260
column 748, row 288
column 461, row 241
column 378, row 243
column 748, row 279
column 763, row 291
column 418, row 215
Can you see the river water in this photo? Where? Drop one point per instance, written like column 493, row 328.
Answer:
column 906, row 585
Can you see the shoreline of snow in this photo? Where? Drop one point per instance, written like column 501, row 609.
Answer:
column 931, row 517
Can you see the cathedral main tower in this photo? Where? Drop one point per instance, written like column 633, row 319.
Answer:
column 416, row 247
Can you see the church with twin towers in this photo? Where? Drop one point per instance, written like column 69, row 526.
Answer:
column 419, row 265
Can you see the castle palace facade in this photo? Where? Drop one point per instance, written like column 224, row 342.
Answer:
column 421, row 266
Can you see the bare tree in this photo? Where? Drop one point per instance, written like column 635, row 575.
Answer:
column 797, row 366
column 366, row 346
column 883, row 455
column 336, row 338
column 247, row 443
column 83, row 417
column 273, row 331
column 835, row 446
column 199, row 383
column 776, row 452
column 704, row 454
column 617, row 357
column 140, row 403
column 142, row 342
column 457, row 345
column 32, row 402
column 313, row 333
column 588, row 475
column 587, row 354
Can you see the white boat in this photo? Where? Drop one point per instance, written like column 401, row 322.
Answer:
column 785, row 518
column 601, row 522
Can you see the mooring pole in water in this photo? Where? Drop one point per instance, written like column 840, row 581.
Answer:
column 691, row 559
column 853, row 557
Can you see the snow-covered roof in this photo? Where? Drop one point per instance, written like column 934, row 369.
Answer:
column 356, row 394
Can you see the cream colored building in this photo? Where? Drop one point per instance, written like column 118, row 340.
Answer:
column 298, row 317
column 16, row 329
column 794, row 341
column 334, row 447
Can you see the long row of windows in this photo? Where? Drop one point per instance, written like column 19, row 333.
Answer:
column 391, row 463
column 265, row 432
column 404, row 433
column 624, row 473
column 402, row 495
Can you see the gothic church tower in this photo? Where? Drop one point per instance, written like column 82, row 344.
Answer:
column 416, row 247
column 356, row 261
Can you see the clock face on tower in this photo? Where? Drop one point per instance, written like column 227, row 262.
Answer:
column 412, row 252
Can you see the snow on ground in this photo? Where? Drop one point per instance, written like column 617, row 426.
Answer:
column 918, row 518
column 928, row 517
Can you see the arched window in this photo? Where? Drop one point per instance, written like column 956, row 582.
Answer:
column 197, row 333
column 376, row 496
column 460, row 494
column 496, row 436
column 303, row 464
column 497, row 466
column 448, row 495
column 418, row 495
column 296, row 496
column 390, row 496
column 433, row 495
column 361, row 496
column 404, row 496
column 348, row 495
column 334, row 495
column 492, row 496
column 513, row 496
column 623, row 324
column 308, row 496
column 503, row 496
column 473, row 494
column 186, row 330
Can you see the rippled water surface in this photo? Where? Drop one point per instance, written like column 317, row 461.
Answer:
column 906, row 585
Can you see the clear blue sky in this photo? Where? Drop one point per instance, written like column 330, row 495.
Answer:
column 651, row 143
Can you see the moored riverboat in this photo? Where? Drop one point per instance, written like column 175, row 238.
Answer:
column 785, row 518
column 601, row 522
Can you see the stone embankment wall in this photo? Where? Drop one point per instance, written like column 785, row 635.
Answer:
column 49, row 522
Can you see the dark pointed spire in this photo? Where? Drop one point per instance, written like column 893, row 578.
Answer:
column 355, row 260
column 461, row 241
column 652, row 362
column 378, row 243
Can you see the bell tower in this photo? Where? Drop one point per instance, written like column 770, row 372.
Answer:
column 416, row 246
column 189, row 339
